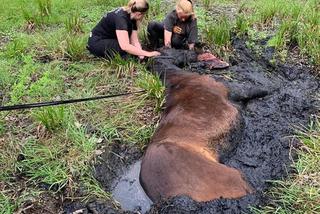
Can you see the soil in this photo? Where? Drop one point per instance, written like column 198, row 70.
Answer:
column 111, row 164
column 4, row 40
column 47, row 204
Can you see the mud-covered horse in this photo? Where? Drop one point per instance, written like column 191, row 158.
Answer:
column 183, row 157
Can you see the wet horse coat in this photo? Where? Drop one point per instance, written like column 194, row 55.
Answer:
column 183, row 155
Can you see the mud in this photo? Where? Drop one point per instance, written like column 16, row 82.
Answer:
column 265, row 142
column 47, row 204
column 269, row 122
column 45, row 58
column 111, row 164
column 4, row 39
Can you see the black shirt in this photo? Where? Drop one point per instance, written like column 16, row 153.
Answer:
column 112, row 21
column 189, row 26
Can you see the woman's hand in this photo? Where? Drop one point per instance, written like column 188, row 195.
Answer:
column 141, row 57
column 153, row 53
column 191, row 46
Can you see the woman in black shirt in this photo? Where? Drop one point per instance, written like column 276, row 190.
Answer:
column 117, row 32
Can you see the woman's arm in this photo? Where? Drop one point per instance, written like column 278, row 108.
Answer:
column 168, row 25
column 167, row 38
column 124, row 43
column 134, row 40
column 193, row 34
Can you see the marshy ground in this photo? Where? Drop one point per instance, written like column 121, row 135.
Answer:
column 65, row 159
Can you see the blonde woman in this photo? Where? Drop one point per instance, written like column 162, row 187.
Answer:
column 117, row 32
column 178, row 30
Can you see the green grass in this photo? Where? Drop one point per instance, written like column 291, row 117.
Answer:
column 218, row 35
column 55, row 143
column 295, row 23
column 207, row 4
column 8, row 158
column 9, row 205
column 16, row 48
column 241, row 25
column 2, row 128
column 74, row 24
column 301, row 192
column 23, row 78
column 58, row 160
column 6, row 205
column 52, row 118
column 153, row 86
column 219, row 32
column 93, row 188
column 292, row 24
column 122, row 67
column 7, row 77
column 42, row 162
column 43, row 57
column 75, row 47
column 41, row 15
column 35, row 82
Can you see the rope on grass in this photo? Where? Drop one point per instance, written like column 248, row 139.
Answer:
column 63, row 102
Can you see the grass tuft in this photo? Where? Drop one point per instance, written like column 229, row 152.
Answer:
column 6, row 204
column 16, row 48
column 75, row 47
column 45, row 7
column 295, row 23
column 122, row 67
column 219, row 33
column 154, row 88
column 60, row 160
column 93, row 188
column 39, row 17
column 242, row 24
column 43, row 162
column 74, row 24
column 52, row 118
column 207, row 4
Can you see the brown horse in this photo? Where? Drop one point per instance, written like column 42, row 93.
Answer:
column 183, row 155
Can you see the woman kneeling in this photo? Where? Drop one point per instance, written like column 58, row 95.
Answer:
column 117, row 32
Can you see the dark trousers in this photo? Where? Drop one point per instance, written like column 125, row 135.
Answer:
column 104, row 47
column 156, row 37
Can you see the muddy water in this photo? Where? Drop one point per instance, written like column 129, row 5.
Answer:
column 128, row 191
column 265, row 141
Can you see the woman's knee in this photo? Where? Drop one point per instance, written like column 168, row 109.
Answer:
column 178, row 43
column 105, row 48
column 96, row 51
column 150, row 28
column 111, row 50
column 154, row 28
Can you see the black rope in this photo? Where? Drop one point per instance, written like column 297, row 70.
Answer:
column 62, row 102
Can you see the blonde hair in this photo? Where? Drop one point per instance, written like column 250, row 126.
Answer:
column 136, row 6
column 186, row 6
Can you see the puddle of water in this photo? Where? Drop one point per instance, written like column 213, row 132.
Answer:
column 128, row 191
